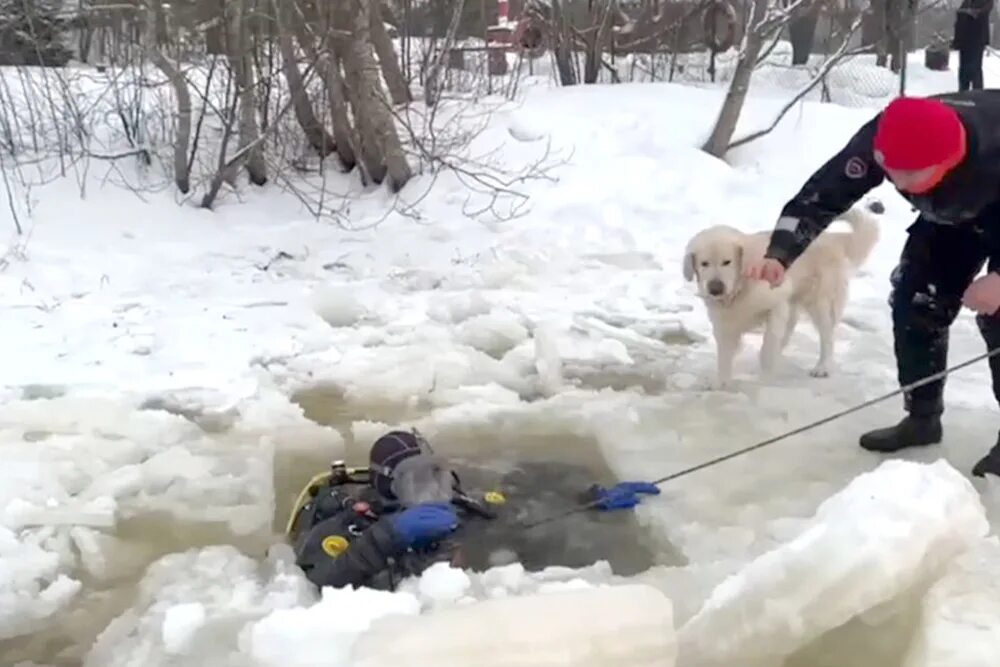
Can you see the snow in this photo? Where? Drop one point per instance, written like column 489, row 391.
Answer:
column 150, row 437
column 887, row 532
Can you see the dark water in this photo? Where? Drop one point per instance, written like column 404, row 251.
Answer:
column 541, row 474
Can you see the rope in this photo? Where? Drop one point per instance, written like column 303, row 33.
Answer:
column 770, row 441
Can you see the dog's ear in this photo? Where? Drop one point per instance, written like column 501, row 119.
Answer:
column 689, row 270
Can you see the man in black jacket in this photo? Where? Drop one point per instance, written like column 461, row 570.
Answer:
column 407, row 510
column 972, row 36
column 942, row 154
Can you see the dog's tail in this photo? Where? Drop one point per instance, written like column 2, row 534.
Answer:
column 863, row 237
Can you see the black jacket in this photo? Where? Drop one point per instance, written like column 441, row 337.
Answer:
column 972, row 24
column 969, row 193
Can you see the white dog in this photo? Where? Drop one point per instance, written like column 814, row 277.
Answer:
column 816, row 282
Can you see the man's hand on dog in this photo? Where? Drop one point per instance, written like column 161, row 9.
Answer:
column 767, row 269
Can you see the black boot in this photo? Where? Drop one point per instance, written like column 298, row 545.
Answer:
column 989, row 464
column 913, row 431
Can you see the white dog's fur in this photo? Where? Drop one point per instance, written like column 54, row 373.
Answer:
column 816, row 282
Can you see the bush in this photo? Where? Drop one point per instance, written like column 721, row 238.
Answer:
column 31, row 33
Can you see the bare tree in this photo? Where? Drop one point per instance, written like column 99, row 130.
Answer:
column 241, row 62
column 561, row 34
column 380, row 146
column 763, row 21
column 832, row 61
column 182, row 133
column 307, row 27
column 315, row 133
column 399, row 90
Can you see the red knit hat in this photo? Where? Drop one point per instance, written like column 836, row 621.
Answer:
column 918, row 132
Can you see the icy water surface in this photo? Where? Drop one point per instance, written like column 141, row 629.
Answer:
column 541, row 473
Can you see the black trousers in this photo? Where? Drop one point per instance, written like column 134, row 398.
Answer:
column 970, row 68
column 937, row 264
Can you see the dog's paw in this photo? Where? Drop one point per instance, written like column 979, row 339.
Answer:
column 820, row 372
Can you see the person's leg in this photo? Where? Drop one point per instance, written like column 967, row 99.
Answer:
column 976, row 69
column 937, row 264
column 989, row 327
column 964, row 61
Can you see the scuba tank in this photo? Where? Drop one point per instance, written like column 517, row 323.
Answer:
column 325, row 495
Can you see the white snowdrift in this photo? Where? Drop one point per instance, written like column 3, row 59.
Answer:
column 961, row 613
column 594, row 627
column 887, row 531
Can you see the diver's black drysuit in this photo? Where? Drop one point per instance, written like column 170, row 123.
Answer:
column 344, row 536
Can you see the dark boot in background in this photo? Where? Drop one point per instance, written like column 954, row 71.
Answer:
column 989, row 464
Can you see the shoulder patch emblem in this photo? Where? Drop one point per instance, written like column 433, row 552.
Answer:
column 856, row 168
column 334, row 545
column 495, row 498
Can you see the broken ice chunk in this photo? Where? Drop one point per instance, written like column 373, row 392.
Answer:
column 97, row 513
column 593, row 627
column 961, row 613
column 886, row 532
column 180, row 623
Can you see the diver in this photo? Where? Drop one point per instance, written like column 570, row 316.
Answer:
column 408, row 509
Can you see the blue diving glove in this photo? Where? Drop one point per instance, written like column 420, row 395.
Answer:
column 425, row 523
column 623, row 495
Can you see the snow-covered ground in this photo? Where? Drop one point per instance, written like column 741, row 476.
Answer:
column 152, row 353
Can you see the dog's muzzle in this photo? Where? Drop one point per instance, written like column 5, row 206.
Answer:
column 715, row 287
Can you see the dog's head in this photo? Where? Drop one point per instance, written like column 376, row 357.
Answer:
column 714, row 258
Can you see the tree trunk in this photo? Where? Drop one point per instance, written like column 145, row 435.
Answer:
column 802, row 33
column 729, row 115
column 597, row 38
column 182, row 135
column 336, row 95
column 562, row 45
column 242, row 64
column 380, row 147
column 315, row 133
column 387, row 58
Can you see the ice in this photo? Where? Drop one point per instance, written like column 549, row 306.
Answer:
column 588, row 627
column 960, row 625
column 888, row 531
column 548, row 362
column 338, row 307
column 494, row 333
column 32, row 588
column 180, row 623
column 322, row 635
column 197, row 603
column 442, row 583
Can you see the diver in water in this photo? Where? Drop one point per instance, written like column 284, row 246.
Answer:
column 408, row 510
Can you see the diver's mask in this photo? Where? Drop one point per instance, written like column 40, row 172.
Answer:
column 423, row 478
